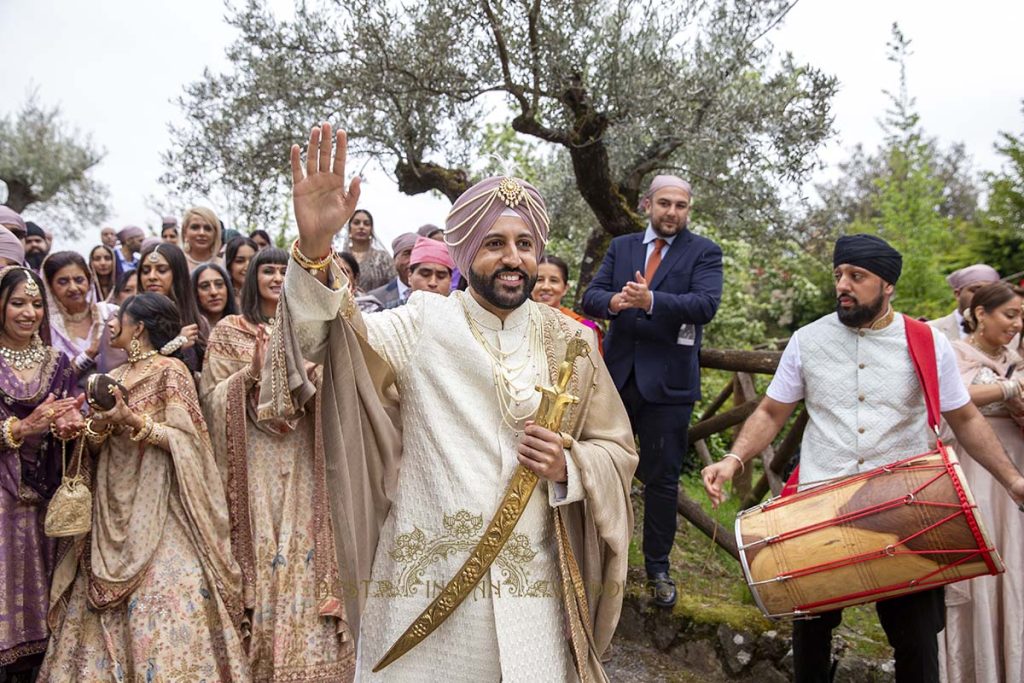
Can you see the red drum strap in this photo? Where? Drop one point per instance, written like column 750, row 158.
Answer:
column 921, row 344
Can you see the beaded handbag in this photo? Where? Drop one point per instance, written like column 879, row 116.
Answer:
column 70, row 510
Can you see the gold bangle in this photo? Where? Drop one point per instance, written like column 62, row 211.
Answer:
column 307, row 263
column 93, row 435
column 146, row 430
column 8, row 433
column 156, row 436
column 255, row 379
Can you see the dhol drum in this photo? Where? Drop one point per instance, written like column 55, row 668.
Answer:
column 902, row 528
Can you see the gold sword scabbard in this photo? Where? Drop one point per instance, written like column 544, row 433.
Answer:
column 553, row 403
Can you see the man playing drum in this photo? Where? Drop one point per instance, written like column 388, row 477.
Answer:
column 853, row 370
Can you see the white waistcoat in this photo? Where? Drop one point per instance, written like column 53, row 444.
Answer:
column 863, row 397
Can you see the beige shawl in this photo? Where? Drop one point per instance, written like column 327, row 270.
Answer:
column 132, row 486
column 228, row 406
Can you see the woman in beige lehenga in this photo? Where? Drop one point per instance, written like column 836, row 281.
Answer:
column 982, row 640
column 152, row 593
column 274, row 473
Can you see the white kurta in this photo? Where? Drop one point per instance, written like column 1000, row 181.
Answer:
column 458, row 456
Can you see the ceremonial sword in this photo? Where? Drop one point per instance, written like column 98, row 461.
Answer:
column 553, row 403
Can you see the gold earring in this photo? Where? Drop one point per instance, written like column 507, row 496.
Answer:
column 134, row 350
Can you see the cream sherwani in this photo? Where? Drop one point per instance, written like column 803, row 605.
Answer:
column 458, row 455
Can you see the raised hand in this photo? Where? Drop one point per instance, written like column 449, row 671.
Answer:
column 191, row 335
column 259, row 354
column 322, row 205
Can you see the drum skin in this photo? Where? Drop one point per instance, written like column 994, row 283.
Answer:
column 902, row 528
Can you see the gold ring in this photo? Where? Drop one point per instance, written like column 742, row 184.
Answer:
column 50, row 412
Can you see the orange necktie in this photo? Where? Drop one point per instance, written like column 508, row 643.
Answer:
column 655, row 260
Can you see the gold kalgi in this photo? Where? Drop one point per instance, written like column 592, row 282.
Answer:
column 554, row 401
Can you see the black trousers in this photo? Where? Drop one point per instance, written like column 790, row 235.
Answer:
column 911, row 623
column 661, row 429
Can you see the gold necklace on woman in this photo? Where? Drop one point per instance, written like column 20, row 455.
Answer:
column 994, row 355
column 24, row 359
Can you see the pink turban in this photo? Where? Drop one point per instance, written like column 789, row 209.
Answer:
column 478, row 209
column 12, row 220
column 431, row 251
column 128, row 232
column 979, row 272
column 10, row 247
column 660, row 182
column 407, row 240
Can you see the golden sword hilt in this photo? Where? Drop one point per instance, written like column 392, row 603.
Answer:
column 554, row 400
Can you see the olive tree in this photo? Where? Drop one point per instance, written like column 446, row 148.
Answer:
column 611, row 91
column 45, row 166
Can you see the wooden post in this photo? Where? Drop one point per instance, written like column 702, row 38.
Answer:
column 703, row 452
column 735, row 360
column 743, row 392
column 721, row 422
column 719, row 401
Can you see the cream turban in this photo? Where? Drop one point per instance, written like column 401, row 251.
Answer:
column 479, row 207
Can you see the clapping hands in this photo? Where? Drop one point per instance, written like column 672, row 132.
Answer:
column 635, row 294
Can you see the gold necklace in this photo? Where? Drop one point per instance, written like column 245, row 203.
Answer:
column 150, row 356
column 23, row 359
column 139, row 356
column 994, row 355
column 513, row 384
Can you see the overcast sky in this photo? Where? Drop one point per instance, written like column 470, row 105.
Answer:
column 115, row 67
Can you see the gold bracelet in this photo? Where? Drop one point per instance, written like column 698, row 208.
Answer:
column 93, row 435
column 145, row 431
column 8, row 433
column 156, row 436
column 307, row 263
column 255, row 379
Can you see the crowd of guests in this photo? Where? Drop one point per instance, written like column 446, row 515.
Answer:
column 205, row 558
column 224, row 567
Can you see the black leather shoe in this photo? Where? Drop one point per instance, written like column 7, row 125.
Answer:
column 663, row 589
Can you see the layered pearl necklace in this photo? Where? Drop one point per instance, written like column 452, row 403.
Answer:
column 514, row 382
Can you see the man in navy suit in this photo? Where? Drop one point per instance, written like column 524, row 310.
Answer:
column 659, row 288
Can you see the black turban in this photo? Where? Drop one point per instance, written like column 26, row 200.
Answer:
column 34, row 230
column 870, row 253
